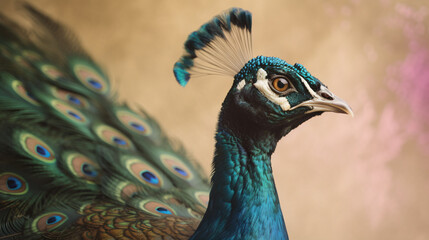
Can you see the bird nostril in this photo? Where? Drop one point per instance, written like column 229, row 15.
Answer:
column 327, row 96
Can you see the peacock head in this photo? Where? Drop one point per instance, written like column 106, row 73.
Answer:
column 272, row 91
column 266, row 90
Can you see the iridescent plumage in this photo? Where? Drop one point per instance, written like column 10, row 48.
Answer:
column 77, row 164
column 74, row 162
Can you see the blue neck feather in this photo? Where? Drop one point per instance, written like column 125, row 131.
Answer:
column 243, row 200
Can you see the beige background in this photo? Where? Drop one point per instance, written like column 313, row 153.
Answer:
column 337, row 177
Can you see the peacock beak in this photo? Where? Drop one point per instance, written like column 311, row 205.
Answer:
column 325, row 101
column 335, row 104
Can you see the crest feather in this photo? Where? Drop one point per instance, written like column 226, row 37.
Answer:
column 220, row 47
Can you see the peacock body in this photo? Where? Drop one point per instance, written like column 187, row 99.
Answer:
column 77, row 164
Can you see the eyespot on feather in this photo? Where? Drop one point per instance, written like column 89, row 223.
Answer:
column 194, row 214
column 133, row 122
column 202, row 197
column 144, row 172
column 113, row 137
column 123, row 191
column 48, row 221
column 82, row 167
column 69, row 112
column 51, row 72
column 176, row 166
column 156, row 208
column 91, row 78
column 12, row 184
column 19, row 88
column 71, row 98
column 128, row 191
column 37, row 148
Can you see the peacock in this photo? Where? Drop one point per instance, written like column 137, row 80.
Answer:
column 75, row 163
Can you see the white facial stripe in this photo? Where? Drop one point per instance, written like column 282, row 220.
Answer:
column 263, row 86
column 313, row 93
column 241, row 84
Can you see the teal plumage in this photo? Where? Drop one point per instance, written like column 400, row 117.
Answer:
column 77, row 164
column 268, row 98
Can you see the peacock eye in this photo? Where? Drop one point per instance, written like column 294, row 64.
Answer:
column 280, row 84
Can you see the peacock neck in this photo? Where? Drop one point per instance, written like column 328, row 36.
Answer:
column 243, row 201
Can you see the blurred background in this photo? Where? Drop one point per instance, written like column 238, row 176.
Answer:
column 337, row 177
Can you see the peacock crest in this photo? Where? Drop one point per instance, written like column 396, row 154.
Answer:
column 220, row 47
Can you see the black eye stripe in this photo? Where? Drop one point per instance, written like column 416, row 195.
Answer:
column 315, row 85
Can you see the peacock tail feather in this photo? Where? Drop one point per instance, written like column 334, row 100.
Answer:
column 74, row 162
